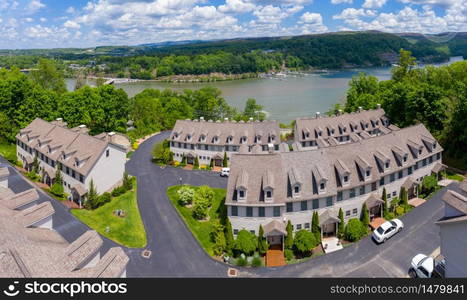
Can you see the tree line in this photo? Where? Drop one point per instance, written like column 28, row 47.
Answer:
column 434, row 96
column 43, row 94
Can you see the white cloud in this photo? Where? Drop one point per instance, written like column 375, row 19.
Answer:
column 34, row 6
column 374, row 3
column 352, row 13
column 270, row 14
column 312, row 23
column 341, row 1
column 43, row 20
column 236, row 6
column 71, row 24
column 71, row 10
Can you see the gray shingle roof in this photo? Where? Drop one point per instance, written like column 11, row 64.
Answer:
column 306, row 163
column 4, row 172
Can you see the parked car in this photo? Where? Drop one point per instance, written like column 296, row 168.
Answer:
column 387, row 230
column 225, row 172
column 423, row 266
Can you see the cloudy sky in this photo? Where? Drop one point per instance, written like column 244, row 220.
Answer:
column 84, row 23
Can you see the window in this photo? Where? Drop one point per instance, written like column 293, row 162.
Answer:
column 241, row 194
column 249, row 211
column 405, row 158
column 347, row 213
column 392, row 177
column 367, row 173
column 354, row 211
column 362, row 190
column 424, row 162
column 430, row 159
column 289, row 207
column 234, row 211
column 415, row 167
column 296, row 189
column 438, row 156
column 235, row 231
column 400, row 174
column 268, row 194
column 420, row 151
column 346, row 179
column 339, row 196
column 329, row 201
column 321, row 186
column 299, row 226
column 261, row 212
column 252, row 231
column 303, row 205
column 409, row 170
column 277, row 211
column 81, row 178
column 394, row 193
column 107, row 153
column 315, row 203
column 381, row 181
column 307, row 225
column 387, row 165
column 388, row 196
column 352, row 193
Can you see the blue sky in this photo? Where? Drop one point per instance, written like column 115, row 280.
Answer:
column 89, row 23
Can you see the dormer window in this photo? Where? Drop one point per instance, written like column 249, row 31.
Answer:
column 229, row 139
column 307, row 135
column 241, row 194
column 202, row 138
column 258, row 138
column 345, row 129
column 188, row 137
column 420, row 151
column 320, row 133
column 243, row 140
column 273, row 138
column 366, row 125
column 386, row 165
column 322, row 185
column 269, row 194
column 215, row 139
column 345, row 179
column 367, row 173
column 405, row 158
column 296, row 189
column 434, row 145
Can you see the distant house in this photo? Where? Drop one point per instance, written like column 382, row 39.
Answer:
column 326, row 131
column 453, row 228
column 209, row 140
column 79, row 156
column 29, row 247
column 291, row 185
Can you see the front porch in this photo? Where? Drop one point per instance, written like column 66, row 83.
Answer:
column 329, row 225
column 411, row 186
column 78, row 194
column 374, row 204
column 275, row 232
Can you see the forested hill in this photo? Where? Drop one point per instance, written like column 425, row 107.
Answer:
column 251, row 55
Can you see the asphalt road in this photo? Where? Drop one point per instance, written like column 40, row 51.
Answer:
column 176, row 253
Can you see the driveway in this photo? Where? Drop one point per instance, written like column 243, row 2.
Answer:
column 176, row 253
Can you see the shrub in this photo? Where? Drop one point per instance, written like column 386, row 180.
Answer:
column 118, row 191
column 263, row 245
column 315, row 229
column 105, row 198
column 256, row 262
column 185, row 195
column 127, row 182
column 200, row 209
column 288, row 254
column 161, row 153
column 246, row 242
column 241, row 262
column 365, row 217
column 225, row 161
column 399, row 210
column 206, row 193
column 196, row 163
column 289, row 238
column 57, row 190
column 218, row 237
column 341, row 227
column 304, row 241
column 355, row 230
column 135, row 146
column 429, row 184
column 229, row 238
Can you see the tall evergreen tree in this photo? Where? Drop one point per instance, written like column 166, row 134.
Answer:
column 58, row 175
column 92, row 197
column 288, row 244
column 315, row 229
column 229, row 238
column 404, row 197
column 262, row 243
column 364, row 216
column 225, row 161
column 341, row 227
column 384, row 197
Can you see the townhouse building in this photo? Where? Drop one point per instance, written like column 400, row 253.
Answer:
column 324, row 131
column 211, row 140
column 270, row 189
column 452, row 228
column 80, row 157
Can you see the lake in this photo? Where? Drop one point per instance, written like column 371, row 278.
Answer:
column 283, row 99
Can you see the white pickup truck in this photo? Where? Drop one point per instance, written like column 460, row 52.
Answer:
column 423, row 266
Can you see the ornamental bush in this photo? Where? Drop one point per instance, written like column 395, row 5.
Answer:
column 288, row 254
column 57, row 190
column 206, row 193
column 200, row 209
column 185, row 195
column 256, row 262
column 355, row 230
column 245, row 243
column 304, row 242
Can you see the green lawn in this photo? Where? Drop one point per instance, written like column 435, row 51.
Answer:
column 200, row 229
column 454, row 176
column 128, row 231
column 8, row 151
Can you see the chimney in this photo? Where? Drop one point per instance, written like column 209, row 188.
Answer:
column 318, row 114
column 360, row 109
column 378, row 106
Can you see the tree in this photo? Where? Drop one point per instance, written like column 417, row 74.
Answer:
column 429, row 183
column 365, row 217
column 48, row 76
column 161, row 153
column 80, row 80
column 385, row 203
column 355, row 230
column 100, row 81
column 127, row 182
column 341, row 227
column 57, row 189
column 304, row 241
column 246, row 243
column 288, row 244
column 35, row 165
column 404, row 197
column 406, row 62
column 315, row 229
column 262, row 242
column 218, row 237
column 92, row 197
column 58, row 175
column 253, row 110
column 229, row 238
column 196, row 164
column 185, row 195
column 225, row 161
column 205, row 193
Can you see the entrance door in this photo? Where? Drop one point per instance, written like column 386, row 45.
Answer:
column 275, row 240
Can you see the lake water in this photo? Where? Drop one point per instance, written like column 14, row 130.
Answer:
column 283, row 99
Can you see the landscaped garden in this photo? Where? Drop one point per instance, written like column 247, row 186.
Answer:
column 117, row 219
